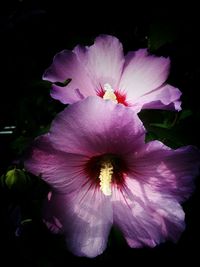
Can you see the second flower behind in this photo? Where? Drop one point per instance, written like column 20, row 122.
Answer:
column 137, row 80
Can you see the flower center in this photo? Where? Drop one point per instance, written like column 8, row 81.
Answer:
column 117, row 96
column 109, row 93
column 107, row 170
column 105, row 176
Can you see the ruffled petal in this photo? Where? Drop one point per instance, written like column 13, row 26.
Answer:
column 166, row 97
column 64, row 172
column 166, row 170
column 95, row 126
column 85, row 218
column 146, row 217
column 142, row 74
column 103, row 61
column 66, row 66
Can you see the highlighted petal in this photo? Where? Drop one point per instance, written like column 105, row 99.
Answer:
column 166, row 170
column 143, row 73
column 85, row 218
column 103, row 60
column 146, row 217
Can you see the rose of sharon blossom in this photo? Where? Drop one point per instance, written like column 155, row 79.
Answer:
column 102, row 173
column 136, row 80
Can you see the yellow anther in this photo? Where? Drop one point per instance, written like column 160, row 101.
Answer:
column 109, row 93
column 110, row 96
column 105, row 177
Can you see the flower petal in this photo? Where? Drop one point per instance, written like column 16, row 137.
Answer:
column 64, row 172
column 66, row 66
column 103, row 60
column 166, row 97
column 166, row 170
column 146, row 217
column 143, row 73
column 85, row 218
column 95, row 126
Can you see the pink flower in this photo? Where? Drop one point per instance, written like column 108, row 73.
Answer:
column 136, row 80
column 102, row 174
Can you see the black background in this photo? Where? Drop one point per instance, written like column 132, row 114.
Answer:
column 32, row 32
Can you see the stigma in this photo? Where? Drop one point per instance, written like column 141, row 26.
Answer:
column 109, row 93
column 105, row 177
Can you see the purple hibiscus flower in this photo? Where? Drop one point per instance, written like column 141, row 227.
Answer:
column 102, row 173
column 136, row 80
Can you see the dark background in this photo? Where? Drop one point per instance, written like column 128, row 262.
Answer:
column 32, row 32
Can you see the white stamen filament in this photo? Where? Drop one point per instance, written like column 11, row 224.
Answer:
column 105, row 177
column 108, row 88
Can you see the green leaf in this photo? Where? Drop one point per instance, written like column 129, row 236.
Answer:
column 41, row 83
column 64, row 83
column 150, row 136
column 185, row 114
column 161, row 125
